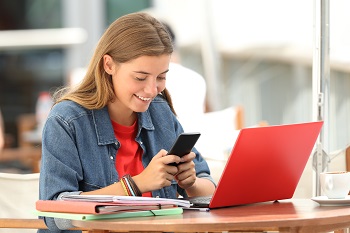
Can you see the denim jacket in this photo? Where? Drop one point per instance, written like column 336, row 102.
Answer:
column 79, row 150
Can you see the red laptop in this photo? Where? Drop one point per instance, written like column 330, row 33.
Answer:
column 265, row 164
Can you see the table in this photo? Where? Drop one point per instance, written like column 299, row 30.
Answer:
column 293, row 215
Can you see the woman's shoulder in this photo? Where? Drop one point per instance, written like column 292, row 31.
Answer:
column 67, row 104
column 68, row 109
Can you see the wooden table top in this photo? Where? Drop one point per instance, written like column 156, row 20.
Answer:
column 293, row 215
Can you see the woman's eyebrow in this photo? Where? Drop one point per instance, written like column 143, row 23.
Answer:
column 144, row 72
column 141, row 72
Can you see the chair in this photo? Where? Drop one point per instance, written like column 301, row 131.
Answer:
column 218, row 130
column 27, row 153
column 25, row 123
column 29, row 156
column 18, row 195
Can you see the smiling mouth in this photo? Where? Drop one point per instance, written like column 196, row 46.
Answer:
column 143, row 98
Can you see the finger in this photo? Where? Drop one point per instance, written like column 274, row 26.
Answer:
column 183, row 172
column 189, row 157
column 172, row 170
column 161, row 154
column 171, row 159
column 169, row 177
column 186, row 166
column 185, row 184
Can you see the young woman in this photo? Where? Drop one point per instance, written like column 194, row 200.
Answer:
column 117, row 124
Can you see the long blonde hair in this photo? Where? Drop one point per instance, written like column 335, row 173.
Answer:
column 127, row 38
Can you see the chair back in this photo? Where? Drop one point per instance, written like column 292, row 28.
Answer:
column 18, row 195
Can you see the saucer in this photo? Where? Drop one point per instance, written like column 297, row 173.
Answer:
column 325, row 201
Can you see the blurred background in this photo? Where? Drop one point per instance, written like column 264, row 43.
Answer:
column 256, row 54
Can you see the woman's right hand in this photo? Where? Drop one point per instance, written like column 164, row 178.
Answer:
column 158, row 173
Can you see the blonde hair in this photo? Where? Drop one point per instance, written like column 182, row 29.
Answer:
column 127, row 38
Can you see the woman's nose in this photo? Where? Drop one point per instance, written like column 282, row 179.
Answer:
column 152, row 87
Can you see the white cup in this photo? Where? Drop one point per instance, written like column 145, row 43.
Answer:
column 335, row 185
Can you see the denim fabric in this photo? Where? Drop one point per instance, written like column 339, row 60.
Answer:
column 79, row 149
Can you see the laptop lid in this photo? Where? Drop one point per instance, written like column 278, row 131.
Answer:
column 265, row 164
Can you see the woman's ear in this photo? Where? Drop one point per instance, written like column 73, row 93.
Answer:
column 108, row 64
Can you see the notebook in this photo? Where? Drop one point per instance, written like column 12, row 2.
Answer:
column 127, row 214
column 265, row 164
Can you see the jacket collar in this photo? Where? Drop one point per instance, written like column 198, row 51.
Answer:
column 104, row 129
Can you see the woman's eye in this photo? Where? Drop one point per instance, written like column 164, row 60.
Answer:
column 140, row 79
column 162, row 77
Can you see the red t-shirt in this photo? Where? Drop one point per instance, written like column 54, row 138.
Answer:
column 129, row 155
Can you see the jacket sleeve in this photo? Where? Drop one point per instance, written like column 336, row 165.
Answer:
column 60, row 166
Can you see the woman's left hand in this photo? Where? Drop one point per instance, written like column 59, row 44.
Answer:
column 186, row 175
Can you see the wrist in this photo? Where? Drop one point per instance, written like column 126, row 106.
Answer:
column 138, row 181
column 192, row 189
column 129, row 186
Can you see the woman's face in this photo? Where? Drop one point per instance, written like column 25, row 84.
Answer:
column 138, row 81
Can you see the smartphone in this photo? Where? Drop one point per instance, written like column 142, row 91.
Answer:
column 184, row 144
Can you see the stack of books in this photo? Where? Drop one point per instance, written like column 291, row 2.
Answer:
column 93, row 207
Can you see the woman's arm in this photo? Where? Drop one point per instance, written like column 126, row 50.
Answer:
column 201, row 187
column 113, row 189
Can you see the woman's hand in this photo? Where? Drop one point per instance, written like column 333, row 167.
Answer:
column 186, row 175
column 158, row 173
column 188, row 180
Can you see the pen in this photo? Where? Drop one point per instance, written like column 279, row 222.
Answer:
column 198, row 209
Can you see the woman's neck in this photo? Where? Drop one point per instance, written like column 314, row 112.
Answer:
column 126, row 118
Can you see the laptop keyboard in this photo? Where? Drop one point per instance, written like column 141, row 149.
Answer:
column 202, row 201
